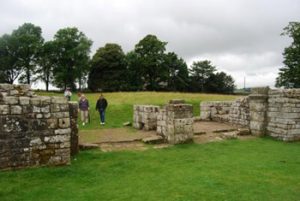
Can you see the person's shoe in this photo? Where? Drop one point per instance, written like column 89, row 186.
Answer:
column 103, row 123
column 83, row 123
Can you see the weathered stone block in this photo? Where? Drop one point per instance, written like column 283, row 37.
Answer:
column 11, row 100
column 4, row 109
column 36, row 101
column 64, row 123
column 15, row 109
column 62, row 131
column 24, row 100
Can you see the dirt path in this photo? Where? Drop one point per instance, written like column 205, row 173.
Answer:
column 116, row 139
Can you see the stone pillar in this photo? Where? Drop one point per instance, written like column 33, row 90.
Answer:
column 145, row 117
column 179, row 122
column 258, row 104
column 73, row 109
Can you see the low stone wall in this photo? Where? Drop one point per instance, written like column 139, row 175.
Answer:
column 174, row 121
column 264, row 112
column 35, row 130
column 215, row 110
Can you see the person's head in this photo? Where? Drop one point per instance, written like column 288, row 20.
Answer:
column 101, row 96
column 79, row 94
column 82, row 96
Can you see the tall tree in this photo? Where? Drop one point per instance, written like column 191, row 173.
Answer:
column 9, row 68
column 289, row 75
column 108, row 69
column 150, row 55
column 29, row 38
column 178, row 76
column 134, row 80
column 72, row 57
column 46, row 62
column 220, row 82
column 201, row 71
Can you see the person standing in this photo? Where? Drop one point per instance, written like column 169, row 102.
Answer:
column 101, row 106
column 68, row 94
column 84, row 109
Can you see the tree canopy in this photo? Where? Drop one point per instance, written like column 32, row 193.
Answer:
column 72, row 50
column 29, row 39
column 289, row 75
column 65, row 62
column 108, row 69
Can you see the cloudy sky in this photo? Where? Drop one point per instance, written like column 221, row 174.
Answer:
column 240, row 37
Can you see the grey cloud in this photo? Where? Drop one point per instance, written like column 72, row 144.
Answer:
column 241, row 37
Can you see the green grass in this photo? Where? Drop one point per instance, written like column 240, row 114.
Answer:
column 120, row 104
column 260, row 169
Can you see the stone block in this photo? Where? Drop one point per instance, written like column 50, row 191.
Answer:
column 62, row 131
column 45, row 100
column 6, row 87
column 45, row 109
column 10, row 100
column 59, row 100
column 64, row 123
column 24, row 100
column 15, row 109
column 36, row 101
column 4, row 109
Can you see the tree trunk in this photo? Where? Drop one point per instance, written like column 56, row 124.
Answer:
column 47, row 86
column 28, row 76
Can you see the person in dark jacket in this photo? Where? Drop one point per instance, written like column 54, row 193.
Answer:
column 101, row 106
column 84, row 109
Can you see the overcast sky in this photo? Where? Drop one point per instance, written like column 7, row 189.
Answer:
column 240, row 37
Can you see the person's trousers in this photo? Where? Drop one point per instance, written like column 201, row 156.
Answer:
column 84, row 116
column 102, row 115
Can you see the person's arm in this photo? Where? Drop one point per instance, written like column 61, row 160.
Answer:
column 97, row 105
column 88, row 104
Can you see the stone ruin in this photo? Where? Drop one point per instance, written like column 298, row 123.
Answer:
column 265, row 112
column 174, row 121
column 35, row 130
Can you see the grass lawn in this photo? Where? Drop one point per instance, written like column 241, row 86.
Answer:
column 259, row 169
column 120, row 104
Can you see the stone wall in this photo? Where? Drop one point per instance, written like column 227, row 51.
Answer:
column 145, row 116
column 174, row 121
column 215, row 110
column 265, row 112
column 239, row 113
column 284, row 114
column 235, row 112
column 35, row 130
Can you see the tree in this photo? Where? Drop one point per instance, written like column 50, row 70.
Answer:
column 220, row 82
column 134, row 79
column 29, row 39
column 178, row 76
column 46, row 62
column 72, row 57
column 9, row 68
column 289, row 75
column 108, row 69
column 201, row 71
column 150, row 56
